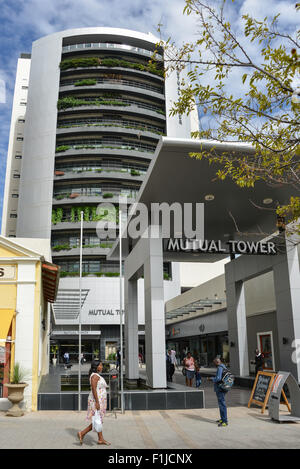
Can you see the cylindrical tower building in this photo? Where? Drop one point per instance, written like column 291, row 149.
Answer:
column 96, row 109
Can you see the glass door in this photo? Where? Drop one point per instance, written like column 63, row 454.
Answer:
column 265, row 346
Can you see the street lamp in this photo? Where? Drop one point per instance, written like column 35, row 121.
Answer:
column 121, row 311
column 79, row 331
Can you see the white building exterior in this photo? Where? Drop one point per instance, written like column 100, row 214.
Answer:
column 150, row 99
column 15, row 147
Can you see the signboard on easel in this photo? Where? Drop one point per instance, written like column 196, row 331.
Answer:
column 262, row 388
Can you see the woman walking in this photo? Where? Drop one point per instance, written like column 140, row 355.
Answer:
column 189, row 365
column 97, row 400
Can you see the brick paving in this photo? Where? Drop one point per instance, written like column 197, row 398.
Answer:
column 172, row 429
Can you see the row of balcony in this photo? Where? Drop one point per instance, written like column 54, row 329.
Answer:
column 105, row 144
column 79, row 172
column 105, row 133
column 115, row 123
column 83, row 82
column 100, row 101
column 108, row 63
column 110, row 47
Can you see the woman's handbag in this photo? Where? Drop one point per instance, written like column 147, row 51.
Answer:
column 97, row 422
column 183, row 371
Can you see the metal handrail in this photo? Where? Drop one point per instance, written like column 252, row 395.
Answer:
column 101, row 45
column 112, row 81
column 119, row 169
column 115, row 143
column 111, row 123
column 130, row 102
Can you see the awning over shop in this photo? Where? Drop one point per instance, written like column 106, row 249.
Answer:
column 50, row 276
column 6, row 316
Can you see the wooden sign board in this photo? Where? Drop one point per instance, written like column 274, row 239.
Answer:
column 261, row 389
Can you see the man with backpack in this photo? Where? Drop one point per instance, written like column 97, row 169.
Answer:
column 223, row 381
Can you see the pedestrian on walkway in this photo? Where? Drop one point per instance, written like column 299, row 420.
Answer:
column 174, row 359
column 223, row 421
column 66, row 358
column 189, row 365
column 259, row 361
column 198, row 376
column 168, row 365
column 97, row 400
column 118, row 359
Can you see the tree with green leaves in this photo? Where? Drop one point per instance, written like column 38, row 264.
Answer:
column 244, row 85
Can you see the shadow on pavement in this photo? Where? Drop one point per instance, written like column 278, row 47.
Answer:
column 87, row 441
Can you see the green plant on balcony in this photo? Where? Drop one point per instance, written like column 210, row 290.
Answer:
column 54, row 219
column 73, row 216
column 96, row 61
column 86, row 213
column 59, row 215
column 61, row 247
column 88, row 81
column 62, row 148
column 106, row 245
column 108, row 195
column 134, row 172
column 70, row 101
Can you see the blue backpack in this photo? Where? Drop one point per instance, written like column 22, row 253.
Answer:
column 227, row 380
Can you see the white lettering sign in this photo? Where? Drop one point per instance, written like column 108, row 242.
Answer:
column 233, row 247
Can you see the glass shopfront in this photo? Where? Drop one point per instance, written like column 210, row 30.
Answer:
column 204, row 348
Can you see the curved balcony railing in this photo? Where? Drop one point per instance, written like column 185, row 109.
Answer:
column 108, row 46
column 113, row 144
column 124, row 124
column 64, row 103
column 106, row 193
column 111, row 81
column 133, row 171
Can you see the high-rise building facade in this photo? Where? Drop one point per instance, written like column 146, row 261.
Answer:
column 96, row 109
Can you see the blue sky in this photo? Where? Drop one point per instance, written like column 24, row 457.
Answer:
column 24, row 21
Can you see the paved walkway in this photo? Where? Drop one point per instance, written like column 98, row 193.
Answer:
column 174, row 429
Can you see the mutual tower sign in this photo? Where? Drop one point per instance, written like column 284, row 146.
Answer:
column 213, row 247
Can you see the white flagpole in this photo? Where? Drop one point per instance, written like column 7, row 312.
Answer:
column 121, row 311
column 79, row 332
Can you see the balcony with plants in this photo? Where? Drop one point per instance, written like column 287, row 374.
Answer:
column 67, row 219
column 107, row 101
column 106, row 143
column 83, row 170
column 108, row 123
column 92, row 193
column 139, row 88
column 118, row 132
column 90, row 267
column 145, row 67
column 111, row 47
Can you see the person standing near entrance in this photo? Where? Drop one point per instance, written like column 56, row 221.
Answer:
column 223, row 422
column 259, row 361
column 97, row 400
column 189, row 365
column 66, row 358
column 118, row 359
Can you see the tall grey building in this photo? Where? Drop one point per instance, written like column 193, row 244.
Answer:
column 94, row 113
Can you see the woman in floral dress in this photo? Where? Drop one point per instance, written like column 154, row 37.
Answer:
column 97, row 400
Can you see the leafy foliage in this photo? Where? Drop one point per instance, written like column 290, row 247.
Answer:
column 97, row 61
column 262, row 109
